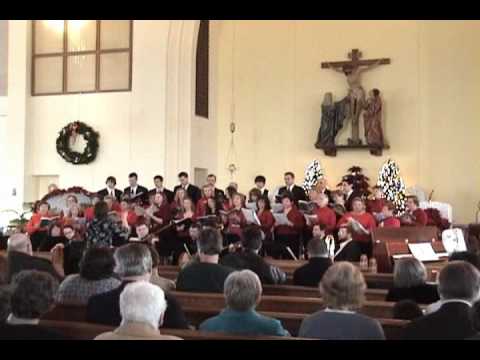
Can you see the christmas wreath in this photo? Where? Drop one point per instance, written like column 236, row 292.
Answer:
column 71, row 132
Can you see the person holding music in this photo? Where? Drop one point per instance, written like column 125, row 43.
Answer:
column 234, row 220
column 415, row 216
column 388, row 219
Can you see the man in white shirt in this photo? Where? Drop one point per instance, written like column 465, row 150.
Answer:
column 192, row 191
column 111, row 182
column 297, row 192
column 135, row 191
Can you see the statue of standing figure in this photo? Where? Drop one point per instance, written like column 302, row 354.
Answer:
column 372, row 119
column 333, row 115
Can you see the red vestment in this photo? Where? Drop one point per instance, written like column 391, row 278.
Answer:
column 367, row 221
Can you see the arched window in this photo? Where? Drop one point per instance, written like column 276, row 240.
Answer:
column 201, row 77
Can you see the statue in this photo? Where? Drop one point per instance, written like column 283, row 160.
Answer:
column 372, row 119
column 333, row 115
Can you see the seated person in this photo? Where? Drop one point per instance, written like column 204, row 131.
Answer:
column 37, row 226
column 243, row 291
column 410, row 282
column 347, row 249
column 5, row 309
column 458, row 287
column 20, row 257
column 248, row 258
column 319, row 261
column 133, row 262
column 33, row 295
column 406, row 310
column 71, row 252
column 165, row 284
column 414, row 216
column 142, row 307
column 388, row 219
column 96, row 277
column 205, row 275
column 343, row 291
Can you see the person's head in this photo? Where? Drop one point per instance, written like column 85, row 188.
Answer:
column 263, row 203
column 412, row 203
column 358, row 205
column 409, row 272
column 230, row 191
column 74, row 211
column 318, row 231
column 321, row 184
column 406, row 310
column 109, row 201
column 459, row 280
column 19, row 242
column 180, row 194
column 338, row 197
column 183, row 178
column 237, row 200
column 188, row 204
column 95, row 199
column 211, row 180
column 69, row 232
column 5, row 309
column 467, row 256
column 289, row 178
column 234, row 185
column 317, row 247
column 124, row 205
column 344, row 233
column 254, row 194
column 313, row 194
column 209, row 242
column 101, row 209
column 252, row 238
column 260, row 181
column 144, row 303
column 43, row 208
column 158, row 199
column 141, row 229
column 343, row 287
column 242, row 290
column 388, row 209
column 158, row 181
column 322, row 200
column 133, row 261
column 287, row 201
column 55, row 230
column 71, row 200
column 97, row 263
column 194, row 231
column 52, row 188
column 347, row 185
column 374, row 93
column 378, row 192
column 33, row 294
column 208, row 191
column 132, row 179
column 111, row 182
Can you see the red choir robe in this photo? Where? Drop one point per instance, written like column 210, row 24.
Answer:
column 235, row 222
column 163, row 213
column 89, row 213
column 391, row 222
column 298, row 220
column 185, row 232
column 33, row 222
column 367, row 221
column 375, row 206
column 327, row 217
column 201, row 208
column 420, row 218
column 267, row 221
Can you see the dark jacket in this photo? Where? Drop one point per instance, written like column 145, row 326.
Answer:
column 203, row 277
column 351, row 252
column 29, row 332
column 193, row 192
column 422, row 294
column 297, row 192
column 311, row 273
column 140, row 189
column 18, row 261
column 451, row 322
column 219, row 194
column 105, row 309
column 267, row 273
column 104, row 192
column 166, row 193
column 72, row 254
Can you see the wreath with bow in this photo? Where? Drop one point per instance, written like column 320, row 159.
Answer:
column 71, row 132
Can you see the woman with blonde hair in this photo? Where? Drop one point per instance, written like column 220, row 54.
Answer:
column 343, row 292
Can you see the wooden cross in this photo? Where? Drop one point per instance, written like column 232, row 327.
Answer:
column 355, row 61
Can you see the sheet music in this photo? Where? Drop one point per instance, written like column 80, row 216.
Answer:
column 251, row 216
column 423, row 251
column 357, row 227
column 252, row 205
column 310, row 219
column 281, row 219
column 277, row 208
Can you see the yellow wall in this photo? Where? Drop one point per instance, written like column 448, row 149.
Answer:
column 430, row 92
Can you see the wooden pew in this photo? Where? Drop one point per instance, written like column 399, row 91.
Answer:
column 87, row 331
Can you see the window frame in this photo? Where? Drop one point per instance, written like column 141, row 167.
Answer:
column 65, row 54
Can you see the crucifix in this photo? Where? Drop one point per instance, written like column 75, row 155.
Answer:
column 353, row 69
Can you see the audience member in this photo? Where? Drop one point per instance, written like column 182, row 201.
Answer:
column 346, row 249
column 5, row 308
column 55, row 236
column 133, row 262
column 206, row 275
column 96, row 277
column 406, row 310
column 319, row 261
column 243, row 291
column 415, row 216
column 459, row 286
column 343, row 291
column 142, row 308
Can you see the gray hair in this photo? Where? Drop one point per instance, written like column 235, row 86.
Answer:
column 133, row 260
column 142, row 302
column 19, row 242
column 409, row 272
column 459, row 280
column 242, row 290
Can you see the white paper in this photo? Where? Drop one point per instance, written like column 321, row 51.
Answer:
column 252, row 206
column 281, row 219
column 310, row 219
column 423, row 251
column 250, row 216
column 277, row 208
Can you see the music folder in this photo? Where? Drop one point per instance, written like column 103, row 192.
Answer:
column 251, row 217
column 280, row 219
column 46, row 221
column 423, row 251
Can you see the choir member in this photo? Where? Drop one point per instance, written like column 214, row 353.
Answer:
column 38, row 232
column 112, row 205
column 177, row 203
column 182, row 236
column 159, row 188
column 208, row 193
column 338, row 204
column 69, row 202
column 159, row 213
column 362, row 224
column 260, row 182
column 55, row 236
column 349, row 192
column 193, row 192
column 229, row 193
column 289, row 235
column 75, row 218
column 313, row 195
column 213, row 207
column 253, row 195
column 234, row 221
column 325, row 215
column 415, row 216
column 89, row 212
column 296, row 191
column 135, row 191
column 52, row 188
column 212, row 180
column 388, row 219
column 346, row 249
column 111, row 182
column 376, row 203
column 321, row 188
column 127, row 214
column 265, row 216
